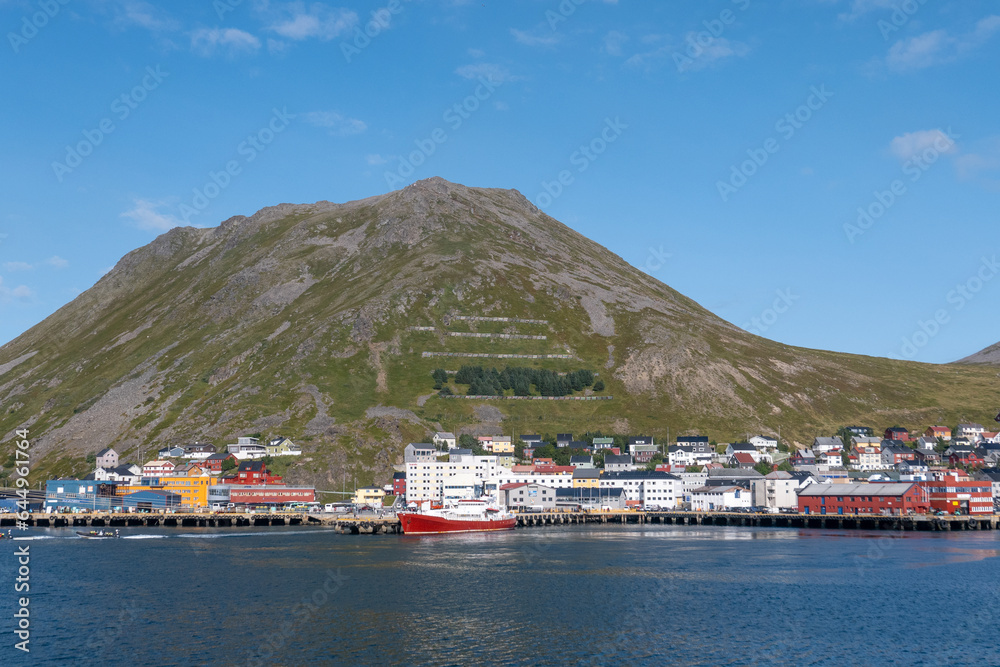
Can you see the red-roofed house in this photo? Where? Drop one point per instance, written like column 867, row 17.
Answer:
column 742, row 460
column 553, row 470
column 527, row 495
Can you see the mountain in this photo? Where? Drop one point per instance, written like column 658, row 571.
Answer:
column 989, row 355
column 299, row 321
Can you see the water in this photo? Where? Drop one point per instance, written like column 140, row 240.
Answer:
column 594, row 595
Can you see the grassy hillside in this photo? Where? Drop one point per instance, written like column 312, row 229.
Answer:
column 298, row 321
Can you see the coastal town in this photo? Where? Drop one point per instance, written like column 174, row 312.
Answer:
column 855, row 472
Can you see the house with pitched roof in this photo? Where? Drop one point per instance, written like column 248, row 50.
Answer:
column 107, row 458
column 742, row 460
column 936, row 432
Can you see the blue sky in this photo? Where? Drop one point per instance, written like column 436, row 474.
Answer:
column 821, row 172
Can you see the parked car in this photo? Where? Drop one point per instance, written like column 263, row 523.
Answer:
column 651, row 508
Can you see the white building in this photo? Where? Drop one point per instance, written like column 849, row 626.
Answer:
column 427, row 480
column 777, row 490
column 445, row 438
column 157, row 468
column 646, row 488
column 127, row 473
column 719, row 498
column 247, row 452
column 971, row 431
column 830, row 459
column 463, row 486
column 763, row 443
column 419, row 453
column 689, row 482
column 107, row 458
column 246, row 448
column 823, row 445
column 686, row 455
column 553, row 480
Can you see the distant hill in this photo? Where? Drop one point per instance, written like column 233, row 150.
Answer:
column 312, row 321
column 989, row 355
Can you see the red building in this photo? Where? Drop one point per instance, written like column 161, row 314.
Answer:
column 959, row 493
column 253, row 472
column 877, row 498
column 897, row 433
column 965, row 457
column 274, row 494
column 214, row 462
column 399, row 484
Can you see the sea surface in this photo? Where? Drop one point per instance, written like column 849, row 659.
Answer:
column 590, row 595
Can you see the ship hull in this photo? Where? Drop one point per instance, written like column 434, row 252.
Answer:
column 422, row 524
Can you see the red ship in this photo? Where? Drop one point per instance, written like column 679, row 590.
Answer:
column 466, row 516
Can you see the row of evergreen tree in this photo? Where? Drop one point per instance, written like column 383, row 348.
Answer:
column 520, row 380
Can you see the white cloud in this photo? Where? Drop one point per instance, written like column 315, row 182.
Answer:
column 137, row 14
column 862, row 7
column 17, row 266
column 375, row 159
column 982, row 164
column 972, row 164
column 613, row 43
column 338, row 125
column 206, row 41
column 318, row 20
column 276, row 46
column 57, row 261
column 546, row 38
column 909, row 145
column 21, row 292
column 145, row 216
column 717, row 50
column 918, row 52
column 476, row 53
column 488, row 71
column 940, row 46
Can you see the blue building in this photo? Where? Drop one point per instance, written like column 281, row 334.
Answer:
column 151, row 500
column 81, row 494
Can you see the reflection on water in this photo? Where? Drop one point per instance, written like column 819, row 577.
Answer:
column 601, row 595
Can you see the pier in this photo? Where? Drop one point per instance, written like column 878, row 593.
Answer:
column 389, row 524
column 904, row 522
column 170, row 520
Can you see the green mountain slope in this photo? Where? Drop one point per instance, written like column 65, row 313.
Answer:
column 299, row 321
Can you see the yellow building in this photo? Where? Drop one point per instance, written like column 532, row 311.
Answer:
column 503, row 445
column 191, row 486
column 369, row 495
column 586, row 478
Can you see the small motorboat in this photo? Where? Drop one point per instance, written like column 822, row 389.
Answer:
column 98, row 534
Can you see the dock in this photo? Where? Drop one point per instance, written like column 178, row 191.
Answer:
column 389, row 524
column 919, row 522
column 153, row 519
